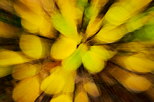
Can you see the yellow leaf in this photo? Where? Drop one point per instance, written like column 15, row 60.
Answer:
column 136, row 62
column 131, row 81
column 7, row 5
column 74, row 61
column 58, row 81
column 110, row 35
column 27, row 90
column 4, row 71
column 68, row 10
column 137, row 83
column 103, row 51
column 26, row 70
column 93, row 62
column 34, row 46
column 81, row 97
column 8, row 57
column 120, row 12
column 34, row 19
column 63, row 48
column 92, row 13
column 91, row 88
column 8, row 31
column 64, row 27
column 93, row 27
column 62, row 98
